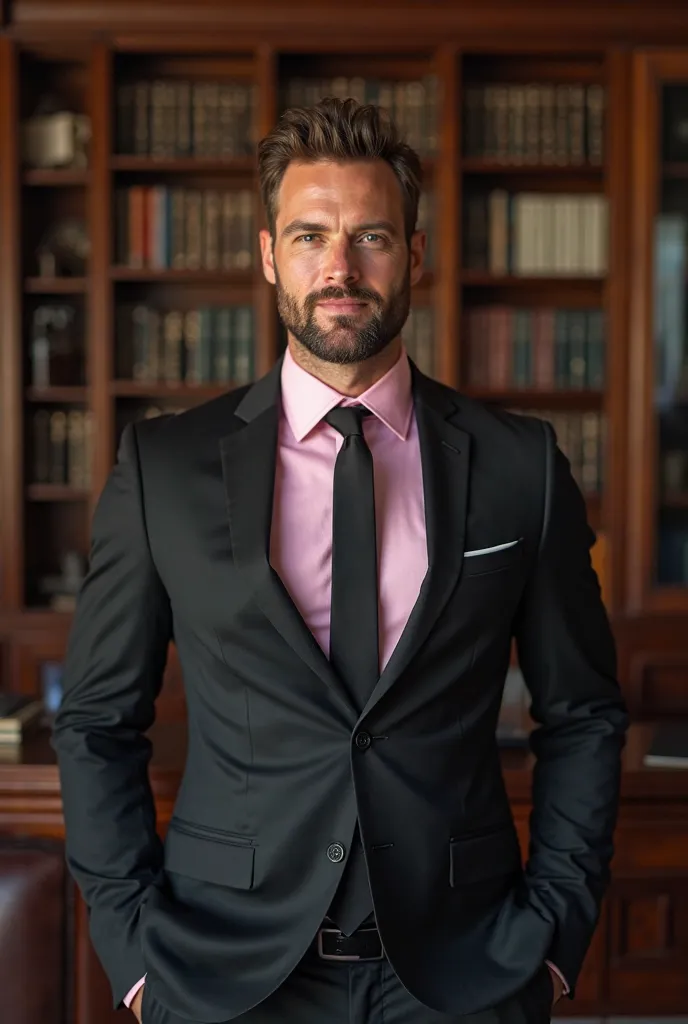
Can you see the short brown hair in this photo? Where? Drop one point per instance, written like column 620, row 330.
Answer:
column 339, row 130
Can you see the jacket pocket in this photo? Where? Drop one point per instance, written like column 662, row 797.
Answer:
column 493, row 561
column 209, row 855
column 478, row 857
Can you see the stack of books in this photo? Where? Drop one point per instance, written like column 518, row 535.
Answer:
column 18, row 715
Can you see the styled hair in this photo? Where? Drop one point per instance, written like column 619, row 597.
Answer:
column 343, row 131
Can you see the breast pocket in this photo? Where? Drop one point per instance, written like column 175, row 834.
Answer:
column 209, row 855
column 496, row 558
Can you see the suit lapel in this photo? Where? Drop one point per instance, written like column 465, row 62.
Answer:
column 445, row 457
column 248, row 465
column 249, row 457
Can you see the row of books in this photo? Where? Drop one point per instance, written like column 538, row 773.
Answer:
column 196, row 346
column 413, row 105
column 582, row 437
column 185, row 229
column 62, row 447
column 533, row 234
column 535, row 348
column 165, row 119
column 535, row 123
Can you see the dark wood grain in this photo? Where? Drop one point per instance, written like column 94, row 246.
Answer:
column 11, row 525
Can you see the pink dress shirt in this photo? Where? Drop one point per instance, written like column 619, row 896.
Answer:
column 301, row 537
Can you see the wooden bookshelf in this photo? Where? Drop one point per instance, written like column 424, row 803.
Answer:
column 105, row 74
column 87, row 53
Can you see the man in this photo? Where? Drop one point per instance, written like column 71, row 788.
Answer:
column 342, row 553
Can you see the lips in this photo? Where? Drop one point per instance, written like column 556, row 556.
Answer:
column 342, row 305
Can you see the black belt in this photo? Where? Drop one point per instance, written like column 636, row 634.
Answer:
column 364, row 944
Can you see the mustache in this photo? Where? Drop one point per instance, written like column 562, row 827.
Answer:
column 357, row 294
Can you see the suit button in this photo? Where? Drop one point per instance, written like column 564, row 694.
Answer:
column 335, row 852
column 363, row 740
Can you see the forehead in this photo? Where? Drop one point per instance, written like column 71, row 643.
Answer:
column 354, row 189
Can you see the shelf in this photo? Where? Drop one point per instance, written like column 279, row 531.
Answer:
column 56, row 492
column 674, row 170
column 569, row 398
column 58, row 177
column 55, row 285
column 57, row 394
column 183, row 165
column 675, row 501
column 155, row 389
column 478, row 165
column 146, row 274
column 481, row 279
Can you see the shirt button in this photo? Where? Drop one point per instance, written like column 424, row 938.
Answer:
column 363, row 740
column 335, row 852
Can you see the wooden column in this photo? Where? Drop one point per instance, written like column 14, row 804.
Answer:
column 100, row 313
column 266, row 316
column 11, row 378
column 447, row 220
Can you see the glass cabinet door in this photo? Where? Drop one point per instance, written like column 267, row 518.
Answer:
column 658, row 420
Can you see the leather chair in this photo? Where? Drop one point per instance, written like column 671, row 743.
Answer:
column 35, row 930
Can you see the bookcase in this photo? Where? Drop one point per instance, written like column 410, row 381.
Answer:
column 530, row 300
column 168, row 307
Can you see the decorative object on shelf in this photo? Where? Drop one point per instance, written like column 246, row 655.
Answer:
column 62, row 590
column 51, row 685
column 56, row 349
column 55, row 137
column 64, row 250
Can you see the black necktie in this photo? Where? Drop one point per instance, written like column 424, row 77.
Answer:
column 354, row 618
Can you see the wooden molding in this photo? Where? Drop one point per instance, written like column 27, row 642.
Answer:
column 421, row 20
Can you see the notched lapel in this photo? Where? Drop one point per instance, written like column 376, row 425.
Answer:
column 445, row 458
column 248, row 465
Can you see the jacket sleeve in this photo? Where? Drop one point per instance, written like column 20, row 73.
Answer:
column 113, row 673
column 567, row 654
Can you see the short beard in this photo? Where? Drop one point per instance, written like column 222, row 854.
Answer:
column 345, row 343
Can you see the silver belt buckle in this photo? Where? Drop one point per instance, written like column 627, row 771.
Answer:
column 344, row 956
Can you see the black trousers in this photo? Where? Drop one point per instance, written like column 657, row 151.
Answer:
column 329, row 992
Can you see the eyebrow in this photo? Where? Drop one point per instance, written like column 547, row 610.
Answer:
column 307, row 227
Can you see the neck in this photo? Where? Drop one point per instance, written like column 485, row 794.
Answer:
column 350, row 379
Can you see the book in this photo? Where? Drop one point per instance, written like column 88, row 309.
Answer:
column 669, row 746
column 17, row 714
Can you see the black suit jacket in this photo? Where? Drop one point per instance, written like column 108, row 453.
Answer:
column 221, row 912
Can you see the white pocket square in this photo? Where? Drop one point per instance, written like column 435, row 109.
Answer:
column 490, row 551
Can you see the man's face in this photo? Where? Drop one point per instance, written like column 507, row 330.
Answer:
column 340, row 260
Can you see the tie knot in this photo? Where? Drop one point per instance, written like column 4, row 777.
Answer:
column 348, row 419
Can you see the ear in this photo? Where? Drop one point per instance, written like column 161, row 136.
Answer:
column 266, row 255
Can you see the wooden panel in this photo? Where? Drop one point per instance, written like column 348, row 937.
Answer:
column 578, row 23
column 100, row 332
column 659, row 682
column 649, row 946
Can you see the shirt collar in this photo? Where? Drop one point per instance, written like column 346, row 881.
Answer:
column 306, row 399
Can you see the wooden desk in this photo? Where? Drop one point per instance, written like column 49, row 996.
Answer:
column 638, row 962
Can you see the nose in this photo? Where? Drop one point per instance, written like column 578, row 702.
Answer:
column 340, row 268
